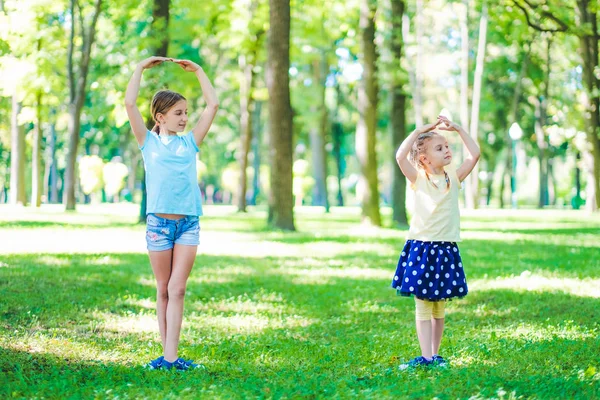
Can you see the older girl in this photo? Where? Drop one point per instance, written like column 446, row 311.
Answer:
column 174, row 202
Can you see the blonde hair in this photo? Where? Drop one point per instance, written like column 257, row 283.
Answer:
column 418, row 148
column 162, row 102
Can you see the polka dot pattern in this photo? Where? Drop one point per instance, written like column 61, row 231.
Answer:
column 429, row 278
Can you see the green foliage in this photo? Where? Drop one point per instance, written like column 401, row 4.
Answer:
column 217, row 34
column 91, row 173
column 114, row 174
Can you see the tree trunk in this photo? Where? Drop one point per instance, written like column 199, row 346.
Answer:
column 417, row 99
column 77, row 91
column 540, row 134
column 367, row 108
column 318, row 135
column 589, row 47
column 159, row 27
column 17, row 156
column 281, row 201
column 246, row 104
column 512, row 117
column 397, row 114
column 464, row 65
column 36, row 161
column 256, row 135
column 51, row 179
column 472, row 181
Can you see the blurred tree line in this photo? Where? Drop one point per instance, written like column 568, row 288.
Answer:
column 315, row 98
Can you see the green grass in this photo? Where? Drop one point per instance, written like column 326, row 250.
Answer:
column 296, row 315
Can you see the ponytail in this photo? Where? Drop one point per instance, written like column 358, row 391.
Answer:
column 156, row 129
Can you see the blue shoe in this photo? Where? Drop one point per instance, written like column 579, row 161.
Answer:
column 155, row 364
column 182, row 365
column 439, row 361
column 415, row 362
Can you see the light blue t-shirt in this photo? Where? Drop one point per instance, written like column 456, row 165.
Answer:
column 171, row 177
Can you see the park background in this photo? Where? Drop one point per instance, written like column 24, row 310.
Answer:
column 306, row 209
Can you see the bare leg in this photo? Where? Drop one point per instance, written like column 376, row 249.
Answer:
column 424, row 335
column 183, row 261
column 161, row 266
column 436, row 335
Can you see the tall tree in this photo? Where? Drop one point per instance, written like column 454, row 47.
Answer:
column 36, row 155
column 398, row 111
column 17, row 158
column 551, row 18
column 472, row 181
column 281, row 202
column 77, row 77
column 541, row 111
column 159, row 28
column 589, row 47
column 318, row 133
column 367, row 107
column 418, row 71
column 248, row 60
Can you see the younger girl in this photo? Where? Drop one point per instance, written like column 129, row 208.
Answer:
column 174, row 202
column 430, row 267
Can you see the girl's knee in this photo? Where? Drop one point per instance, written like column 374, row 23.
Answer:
column 176, row 291
column 162, row 292
column 439, row 310
column 423, row 310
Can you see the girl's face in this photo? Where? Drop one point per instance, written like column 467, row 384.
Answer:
column 437, row 152
column 176, row 118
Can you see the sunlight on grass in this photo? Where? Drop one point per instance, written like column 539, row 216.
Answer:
column 227, row 274
column 247, row 323
column 247, row 245
column 359, row 306
column 62, row 346
column 306, row 314
column 127, row 324
column 260, row 303
column 534, row 282
column 536, row 332
column 54, row 261
column 319, row 275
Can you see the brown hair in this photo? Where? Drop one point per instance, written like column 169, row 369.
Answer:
column 162, row 102
column 419, row 148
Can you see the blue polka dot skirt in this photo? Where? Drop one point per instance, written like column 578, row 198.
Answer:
column 430, row 271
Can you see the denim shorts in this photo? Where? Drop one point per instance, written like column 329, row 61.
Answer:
column 162, row 233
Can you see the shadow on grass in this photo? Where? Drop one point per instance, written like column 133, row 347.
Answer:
column 357, row 331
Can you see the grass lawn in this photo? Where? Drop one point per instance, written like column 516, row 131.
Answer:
column 308, row 314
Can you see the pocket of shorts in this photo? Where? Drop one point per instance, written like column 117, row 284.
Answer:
column 193, row 226
column 152, row 221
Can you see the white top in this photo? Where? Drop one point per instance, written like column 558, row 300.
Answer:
column 436, row 217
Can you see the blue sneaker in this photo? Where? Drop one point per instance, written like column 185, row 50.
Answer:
column 182, row 365
column 155, row 364
column 439, row 361
column 415, row 362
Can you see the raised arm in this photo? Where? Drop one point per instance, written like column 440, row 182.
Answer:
column 404, row 150
column 467, row 166
column 210, row 97
column 133, row 89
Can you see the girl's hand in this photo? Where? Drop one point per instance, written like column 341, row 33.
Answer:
column 448, row 125
column 429, row 127
column 187, row 65
column 153, row 62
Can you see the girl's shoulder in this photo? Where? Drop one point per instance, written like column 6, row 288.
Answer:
column 452, row 174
